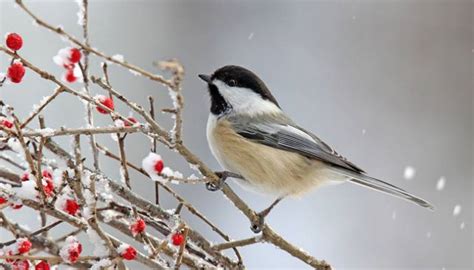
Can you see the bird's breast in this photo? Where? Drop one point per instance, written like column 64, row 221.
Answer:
column 265, row 169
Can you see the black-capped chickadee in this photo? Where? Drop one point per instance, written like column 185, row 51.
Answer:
column 251, row 136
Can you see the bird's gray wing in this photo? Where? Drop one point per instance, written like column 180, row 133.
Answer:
column 283, row 134
column 292, row 138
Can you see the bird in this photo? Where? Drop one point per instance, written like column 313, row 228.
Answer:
column 256, row 143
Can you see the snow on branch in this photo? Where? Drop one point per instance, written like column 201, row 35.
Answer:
column 80, row 197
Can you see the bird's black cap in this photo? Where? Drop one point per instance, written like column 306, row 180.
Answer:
column 236, row 76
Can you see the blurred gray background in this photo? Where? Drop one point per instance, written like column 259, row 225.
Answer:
column 388, row 83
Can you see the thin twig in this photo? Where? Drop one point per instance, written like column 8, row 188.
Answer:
column 45, row 258
column 43, row 229
column 179, row 259
column 151, row 102
column 238, row 243
column 60, row 31
column 39, row 157
column 83, row 131
column 43, row 105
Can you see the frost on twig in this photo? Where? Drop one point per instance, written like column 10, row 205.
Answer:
column 76, row 194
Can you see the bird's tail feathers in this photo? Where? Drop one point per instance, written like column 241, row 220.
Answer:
column 382, row 186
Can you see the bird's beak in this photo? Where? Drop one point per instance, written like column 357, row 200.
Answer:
column 205, row 78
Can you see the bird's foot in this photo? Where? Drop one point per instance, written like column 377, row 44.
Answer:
column 258, row 223
column 222, row 177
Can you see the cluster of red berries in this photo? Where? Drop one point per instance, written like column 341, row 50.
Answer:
column 22, row 246
column 16, row 71
column 48, row 187
column 70, row 206
column 68, row 58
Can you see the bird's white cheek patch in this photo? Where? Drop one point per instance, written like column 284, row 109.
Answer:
column 245, row 101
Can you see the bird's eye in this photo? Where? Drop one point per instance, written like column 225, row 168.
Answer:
column 232, row 82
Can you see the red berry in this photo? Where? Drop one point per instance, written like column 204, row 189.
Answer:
column 47, row 174
column 16, row 206
column 10, row 253
column 69, row 76
column 14, row 41
column 107, row 102
column 74, row 255
column 3, row 200
column 132, row 120
column 16, row 72
column 43, row 265
column 49, row 187
column 73, row 249
column 159, row 166
column 21, row 265
column 71, row 207
column 6, row 123
column 24, row 246
column 129, row 253
column 177, row 239
column 138, row 226
column 25, row 177
column 75, row 55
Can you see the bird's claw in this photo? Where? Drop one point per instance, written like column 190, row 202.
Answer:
column 257, row 224
column 215, row 186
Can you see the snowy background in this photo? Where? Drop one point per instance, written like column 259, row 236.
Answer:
column 388, row 83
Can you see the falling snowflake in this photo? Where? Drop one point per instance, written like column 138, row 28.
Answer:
column 441, row 183
column 457, row 210
column 250, row 36
column 462, row 225
column 409, row 173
